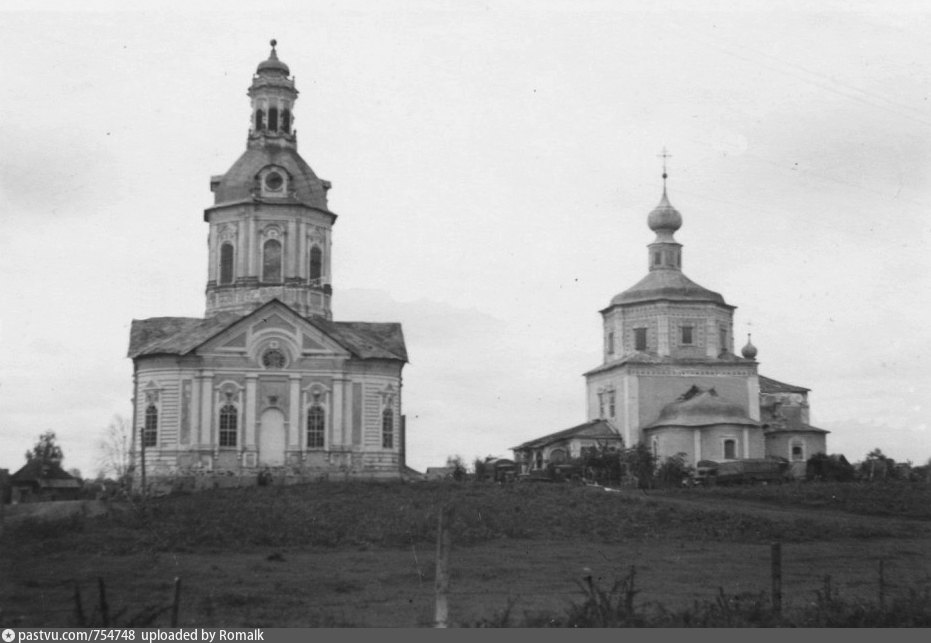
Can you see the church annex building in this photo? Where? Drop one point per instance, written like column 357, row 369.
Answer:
column 670, row 378
column 266, row 379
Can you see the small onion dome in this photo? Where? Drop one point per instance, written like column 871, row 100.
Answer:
column 273, row 65
column 664, row 217
column 748, row 351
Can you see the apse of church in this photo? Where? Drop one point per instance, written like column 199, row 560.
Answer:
column 267, row 379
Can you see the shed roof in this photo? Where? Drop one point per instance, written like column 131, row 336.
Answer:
column 595, row 429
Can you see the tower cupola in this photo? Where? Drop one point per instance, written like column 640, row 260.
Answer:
column 273, row 95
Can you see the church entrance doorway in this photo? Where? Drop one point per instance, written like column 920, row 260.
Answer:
column 271, row 438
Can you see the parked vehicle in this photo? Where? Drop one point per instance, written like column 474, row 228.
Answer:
column 751, row 471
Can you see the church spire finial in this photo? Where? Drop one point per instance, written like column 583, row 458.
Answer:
column 664, row 155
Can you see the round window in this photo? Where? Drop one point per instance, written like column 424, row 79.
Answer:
column 273, row 181
column 273, row 358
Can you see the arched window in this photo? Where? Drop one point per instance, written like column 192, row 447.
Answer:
column 316, row 262
column 271, row 261
column 798, row 452
column 228, row 425
column 150, row 432
column 387, row 429
column 259, row 120
column 273, row 119
column 226, row 263
column 730, row 449
column 316, row 423
column 286, row 121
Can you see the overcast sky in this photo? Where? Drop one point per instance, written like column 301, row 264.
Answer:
column 493, row 164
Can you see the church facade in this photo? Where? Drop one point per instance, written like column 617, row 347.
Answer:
column 267, row 380
column 670, row 377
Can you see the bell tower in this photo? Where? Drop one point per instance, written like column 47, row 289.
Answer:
column 270, row 226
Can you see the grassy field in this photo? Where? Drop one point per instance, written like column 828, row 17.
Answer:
column 341, row 554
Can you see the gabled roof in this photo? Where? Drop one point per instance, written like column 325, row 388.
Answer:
column 182, row 335
column 769, row 385
column 595, row 429
column 45, row 475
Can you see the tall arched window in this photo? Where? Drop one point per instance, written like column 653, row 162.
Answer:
column 316, row 423
column 387, row 429
column 228, row 426
column 259, row 119
column 226, row 263
column 273, row 119
column 150, row 431
column 316, row 262
column 271, row 261
column 286, row 121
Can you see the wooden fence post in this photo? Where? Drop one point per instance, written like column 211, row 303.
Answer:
column 443, row 544
column 104, row 608
column 882, row 585
column 176, row 603
column 776, row 572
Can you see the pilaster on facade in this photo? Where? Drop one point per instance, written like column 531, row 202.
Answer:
column 251, row 410
column 205, row 379
column 294, row 412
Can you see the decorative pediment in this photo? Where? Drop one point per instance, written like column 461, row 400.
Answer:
column 273, row 321
column 274, row 326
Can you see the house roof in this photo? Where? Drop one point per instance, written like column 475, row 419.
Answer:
column 182, row 335
column 45, row 475
column 769, row 385
column 701, row 407
column 596, row 429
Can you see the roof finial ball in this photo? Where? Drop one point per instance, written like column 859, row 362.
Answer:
column 274, row 43
column 748, row 351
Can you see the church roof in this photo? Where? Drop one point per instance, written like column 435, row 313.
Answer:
column 239, row 182
column 769, row 385
column 181, row 335
column 669, row 285
column 593, row 429
column 701, row 407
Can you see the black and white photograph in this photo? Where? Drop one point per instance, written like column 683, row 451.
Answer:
column 463, row 313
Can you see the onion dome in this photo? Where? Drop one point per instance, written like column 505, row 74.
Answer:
column 701, row 407
column 273, row 66
column 664, row 217
column 748, row 351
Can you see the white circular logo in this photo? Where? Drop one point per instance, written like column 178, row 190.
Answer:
column 8, row 636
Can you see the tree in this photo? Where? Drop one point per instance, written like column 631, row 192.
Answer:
column 877, row 466
column 602, row 463
column 45, row 451
column 113, row 447
column 674, row 471
column 458, row 466
column 640, row 463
